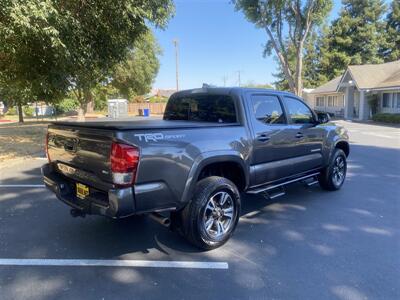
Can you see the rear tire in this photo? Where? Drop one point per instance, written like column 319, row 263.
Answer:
column 334, row 175
column 210, row 218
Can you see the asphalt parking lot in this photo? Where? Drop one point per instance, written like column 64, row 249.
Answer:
column 308, row 244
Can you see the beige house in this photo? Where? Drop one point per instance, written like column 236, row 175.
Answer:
column 326, row 98
column 347, row 95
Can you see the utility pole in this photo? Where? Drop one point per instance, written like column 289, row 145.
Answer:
column 238, row 77
column 176, row 43
column 224, row 79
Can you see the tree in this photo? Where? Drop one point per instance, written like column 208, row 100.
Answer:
column 312, row 54
column 98, row 37
column 355, row 37
column 393, row 32
column 29, row 53
column 314, row 50
column 14, row 95
column 252, row 84
column 288, row 24
column 135, row 75
column 71, row 44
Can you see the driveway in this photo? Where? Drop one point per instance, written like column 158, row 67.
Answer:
column 308, row 244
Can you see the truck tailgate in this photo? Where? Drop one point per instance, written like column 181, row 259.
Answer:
column 81, row 153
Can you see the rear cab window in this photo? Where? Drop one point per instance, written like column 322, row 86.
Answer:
column 201, row 108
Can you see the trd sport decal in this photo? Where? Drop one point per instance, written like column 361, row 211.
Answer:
column 157, row 136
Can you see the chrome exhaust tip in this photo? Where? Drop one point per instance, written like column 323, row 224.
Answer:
column 159, row 218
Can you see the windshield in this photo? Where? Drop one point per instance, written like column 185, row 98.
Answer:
column 201, row 108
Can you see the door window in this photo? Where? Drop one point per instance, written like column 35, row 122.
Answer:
column 267, row 109
column 298, row 112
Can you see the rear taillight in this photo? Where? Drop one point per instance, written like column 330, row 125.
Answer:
column 47, row 147
column 124, row 162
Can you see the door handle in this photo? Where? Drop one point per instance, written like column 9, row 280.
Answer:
column 299, row 135
column 263, row 138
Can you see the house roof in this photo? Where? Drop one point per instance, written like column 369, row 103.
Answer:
column 375, row 76
column 163, row 92
column 329, row 87
column 369, row 76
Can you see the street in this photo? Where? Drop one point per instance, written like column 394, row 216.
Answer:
column 308, row 244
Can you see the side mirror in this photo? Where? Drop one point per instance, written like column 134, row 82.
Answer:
column 323, row 117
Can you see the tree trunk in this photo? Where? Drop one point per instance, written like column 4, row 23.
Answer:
column 283, row 61
column 288, row 76
column 87, row 98
column 20, row 113
column 82, row 111
column 299, row 70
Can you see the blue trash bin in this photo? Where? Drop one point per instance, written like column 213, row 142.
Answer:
column 146, row 112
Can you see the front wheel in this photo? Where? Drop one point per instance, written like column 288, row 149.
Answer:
column 333, row 176
column 209, row 220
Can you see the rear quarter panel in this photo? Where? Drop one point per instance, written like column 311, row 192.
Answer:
column 168, row 158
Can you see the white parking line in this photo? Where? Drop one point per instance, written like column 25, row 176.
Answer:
column 114, row 263
column 22, row 185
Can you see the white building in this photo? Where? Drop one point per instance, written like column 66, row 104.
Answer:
column 347, row 95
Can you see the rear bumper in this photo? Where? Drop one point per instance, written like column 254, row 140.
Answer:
column 116, row 203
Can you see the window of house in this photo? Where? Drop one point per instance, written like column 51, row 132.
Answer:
column 397, row 96
column 267, row 109
column 386, row 100
column 320, row 101
column 332, row 100
column 339, row 101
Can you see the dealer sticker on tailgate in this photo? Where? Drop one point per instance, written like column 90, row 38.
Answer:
column 81, row 190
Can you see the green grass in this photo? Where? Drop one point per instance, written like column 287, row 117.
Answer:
column 387, row 118
column 21, row 141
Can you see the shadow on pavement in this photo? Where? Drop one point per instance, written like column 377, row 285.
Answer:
column 307, row 244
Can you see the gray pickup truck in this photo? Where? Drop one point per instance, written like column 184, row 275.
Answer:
column 190, row 169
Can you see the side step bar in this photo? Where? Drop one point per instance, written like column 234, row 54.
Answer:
column 272, row 187
column 272, row 194
column 315, row 181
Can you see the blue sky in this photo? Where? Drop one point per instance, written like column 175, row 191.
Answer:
column 214, row 41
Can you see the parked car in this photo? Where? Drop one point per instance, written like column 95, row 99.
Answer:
column 212, row 146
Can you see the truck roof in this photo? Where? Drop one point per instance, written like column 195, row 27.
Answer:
column 226, row 91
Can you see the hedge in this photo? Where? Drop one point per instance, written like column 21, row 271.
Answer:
column 66, row 105
column 387, row 118
column 28, row 111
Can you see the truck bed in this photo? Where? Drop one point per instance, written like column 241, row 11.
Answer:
column 132, row 124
